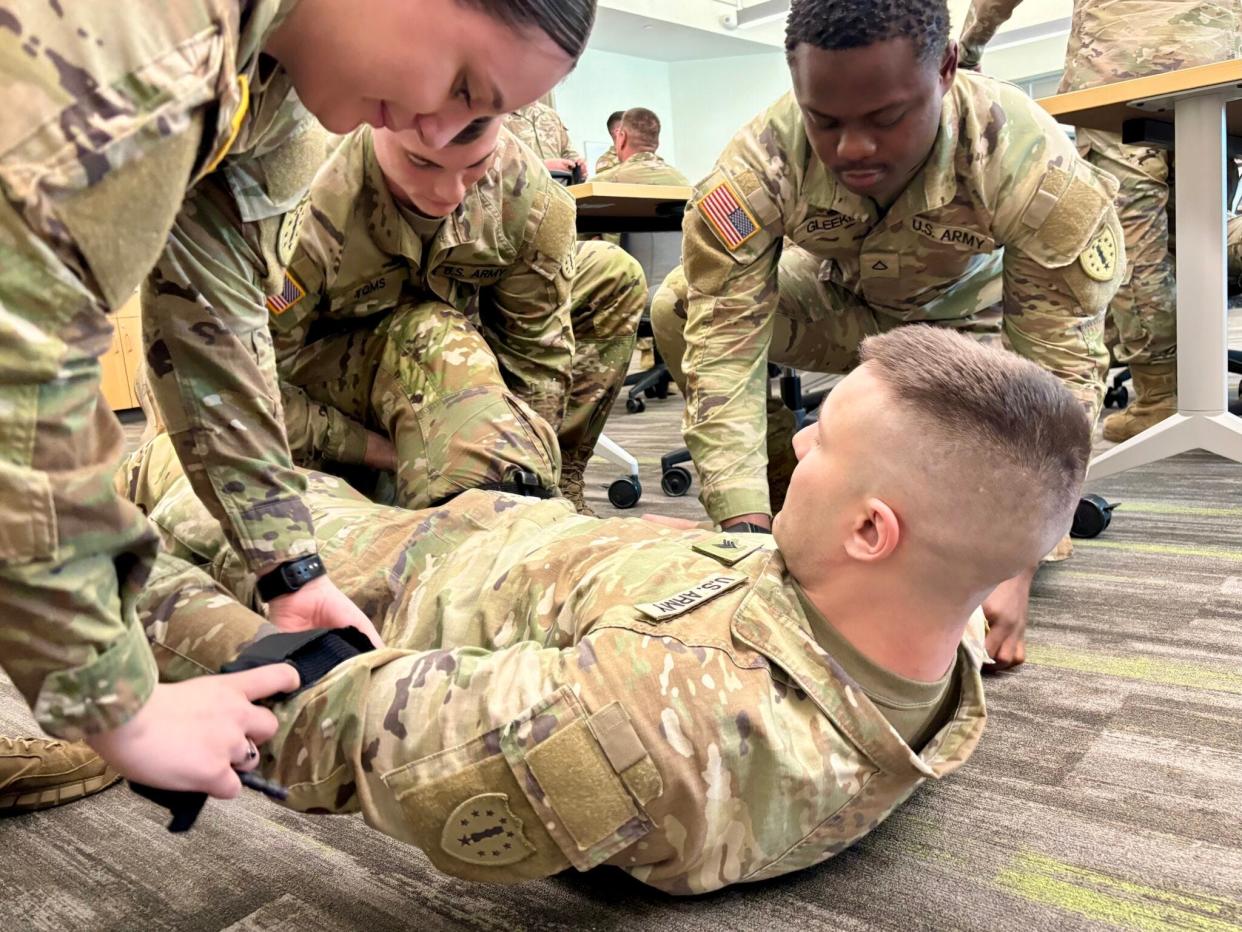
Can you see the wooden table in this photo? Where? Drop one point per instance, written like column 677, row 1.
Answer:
column 605, row 207
column 1199, row 102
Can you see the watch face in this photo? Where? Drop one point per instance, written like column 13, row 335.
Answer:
column 1099, row 259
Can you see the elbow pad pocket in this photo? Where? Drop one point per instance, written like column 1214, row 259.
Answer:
column 553, row 788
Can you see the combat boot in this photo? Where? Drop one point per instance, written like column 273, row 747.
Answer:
column 573, row 487
column 1155, row 398
column 38, row 773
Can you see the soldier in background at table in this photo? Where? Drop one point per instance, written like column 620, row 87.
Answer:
column 609, row 158
column 638, row 138
column 1112, row 40
column 889, row 188
column 540, row 127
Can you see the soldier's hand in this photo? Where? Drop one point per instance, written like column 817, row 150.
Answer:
column 319, row 604
column 1006, row 610
column 380, row 453
column 194, row 735
column 559, row 165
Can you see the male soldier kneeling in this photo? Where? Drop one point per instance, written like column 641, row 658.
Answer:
column 698, row 708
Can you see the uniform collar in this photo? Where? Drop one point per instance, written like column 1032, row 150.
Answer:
column 770, row 620
column 933, row 186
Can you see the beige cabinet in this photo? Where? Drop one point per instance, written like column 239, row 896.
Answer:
column 123, row 361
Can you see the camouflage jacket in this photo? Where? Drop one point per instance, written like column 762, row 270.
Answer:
column 505, row 258
column 1003, row 210
column 105, row 129
column 1111, row 40
column 607, row 160
column 573, row 691
column 540, row 127
column 643, row 168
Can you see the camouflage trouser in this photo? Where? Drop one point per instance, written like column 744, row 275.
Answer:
column 425, row 376
column 609, row 295
column 817, row 328
column 1144, row 311
column 1234, row 251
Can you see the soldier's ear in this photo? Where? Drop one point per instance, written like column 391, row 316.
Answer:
column 948, row 66
column 875, row 532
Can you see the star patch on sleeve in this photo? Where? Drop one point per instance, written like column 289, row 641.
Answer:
column 727, row 214
column 289, row 295
column 1099, row 259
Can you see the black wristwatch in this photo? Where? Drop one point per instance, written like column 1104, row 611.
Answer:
column 746, row 527
column 290, row 577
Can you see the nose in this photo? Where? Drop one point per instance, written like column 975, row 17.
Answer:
column 855, row 146
column 437, row 130
column 803, row 439
column 451, row 190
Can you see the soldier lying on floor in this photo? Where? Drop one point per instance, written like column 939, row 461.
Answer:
column 694, row 707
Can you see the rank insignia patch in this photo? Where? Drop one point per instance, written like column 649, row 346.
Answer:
column 727, row 214
column 290, row 295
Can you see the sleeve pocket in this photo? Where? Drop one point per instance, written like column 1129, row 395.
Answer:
column 553, row 788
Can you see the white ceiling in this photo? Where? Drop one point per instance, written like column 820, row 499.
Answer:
column 646, row 37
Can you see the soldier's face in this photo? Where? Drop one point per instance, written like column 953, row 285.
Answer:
column 433, row 181
column 427, row 67
column 872, row 113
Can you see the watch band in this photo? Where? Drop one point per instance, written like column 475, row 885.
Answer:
column 290, row 577
column 746, row 527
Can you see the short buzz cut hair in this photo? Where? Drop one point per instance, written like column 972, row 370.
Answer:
column 847, row 24
column 643, row 125
column 1000, row 408
column 614, row 120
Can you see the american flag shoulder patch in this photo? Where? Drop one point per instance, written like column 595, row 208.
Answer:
column 727, row 214
column 289, row 295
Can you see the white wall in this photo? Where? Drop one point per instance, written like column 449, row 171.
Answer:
column 604, row 82
column 714, row 97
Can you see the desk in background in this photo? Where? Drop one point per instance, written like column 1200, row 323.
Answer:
column 1199, row 102
column 604, row 207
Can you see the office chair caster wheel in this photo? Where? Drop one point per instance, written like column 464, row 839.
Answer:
column 1091, row 517
column 649, row 391
column 1117, row 397
column 635, row 405
column 676, row 481
column 625, row 493
column 661, row 390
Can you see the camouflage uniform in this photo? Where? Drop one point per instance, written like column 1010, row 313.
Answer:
column 1112, row 41
column 540, row 127
column 607, row 160
column 551, row 696
column 644, row 168
column 1002, row 215
column 441, row 338
column 104, row 129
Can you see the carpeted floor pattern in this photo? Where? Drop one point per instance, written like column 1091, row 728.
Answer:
column 1106, row 793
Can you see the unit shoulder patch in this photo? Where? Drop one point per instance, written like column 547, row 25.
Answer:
column 678, row 603
column 726, row 212
column 484, row 830
column 1099, row 259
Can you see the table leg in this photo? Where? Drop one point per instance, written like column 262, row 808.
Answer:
column 1202, row 421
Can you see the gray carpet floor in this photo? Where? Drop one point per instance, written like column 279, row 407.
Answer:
column 1106, row 793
